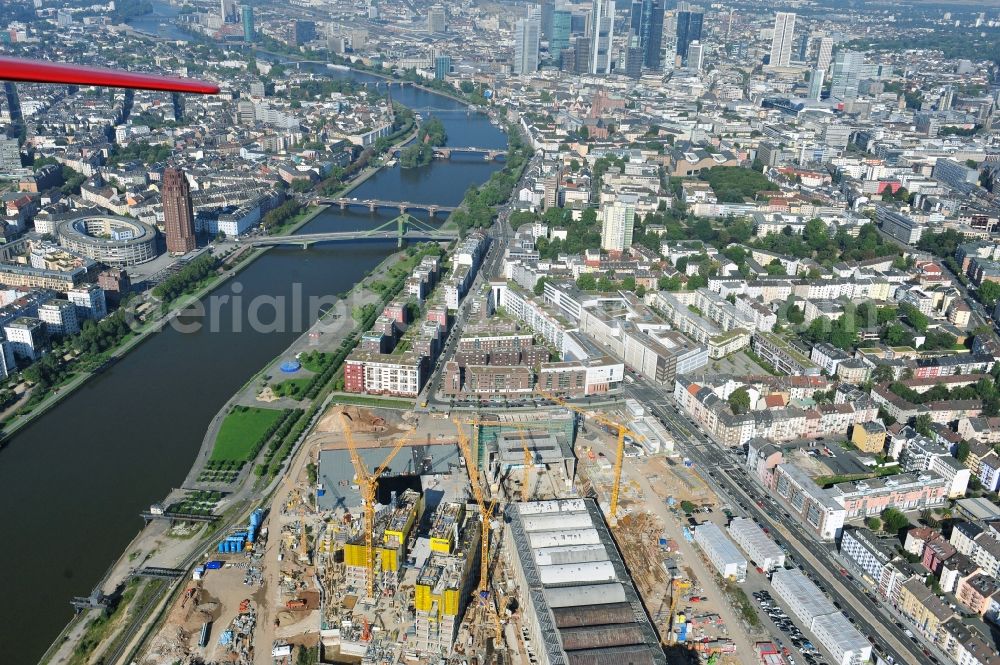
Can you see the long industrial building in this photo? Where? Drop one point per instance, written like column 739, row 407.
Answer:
column 580, row 606
column 758, row 546
column 843, row 642
column 718, row 549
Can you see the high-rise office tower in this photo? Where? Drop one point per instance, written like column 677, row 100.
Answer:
column 646, row 23
column 13, row 102
column 246, row 16
column 442, row 67
column 602, row 22
column 547, row 15
column 696, row 56
column 178, row 215
column 633, row 59
column 846, row 74
column 651, row 33
column 825, row 55
column 688, row 30
column 373, row 12
column 781, row 43
column 436, row 19
column 947, row 98
column 635, row 17
column 561, row 28
column 803, row 47
column 228, row 11
column 526, row 35
column 578, row 24
column 303, row 31
column 567, row 60
column 581, row 45
column 617, row 221
column 816, row 83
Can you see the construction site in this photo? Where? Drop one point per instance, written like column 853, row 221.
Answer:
column 510, row 537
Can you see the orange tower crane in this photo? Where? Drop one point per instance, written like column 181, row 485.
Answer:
column 622, row 430
column 485, row 510
column 368, row 486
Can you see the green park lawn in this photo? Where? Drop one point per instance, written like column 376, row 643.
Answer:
column 242, row 432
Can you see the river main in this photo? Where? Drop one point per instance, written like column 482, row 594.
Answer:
column 72, row 483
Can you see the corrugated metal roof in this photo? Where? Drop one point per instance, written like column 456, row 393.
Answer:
column 593, row 615
column 600, row 637
column 540, row 507
column 804, row 597
column 630, row 655
column 836, row 633
column 557, row 521
column 543, row 539
column 585, row 594
column 576, row 573
column 709, row 535
column 570, row 554
column 748, row 531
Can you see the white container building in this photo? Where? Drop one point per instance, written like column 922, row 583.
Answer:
column 758, row 546
column 803, row 598
column 721, row 552
column 844, row 643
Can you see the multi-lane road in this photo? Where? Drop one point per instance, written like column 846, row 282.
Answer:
column 728, row 477
column 500, row 234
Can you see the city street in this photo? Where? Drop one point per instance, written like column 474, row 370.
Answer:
column 490, row 268
column 727, row 476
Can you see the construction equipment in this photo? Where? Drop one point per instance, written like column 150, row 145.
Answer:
column 676, row 588
column 485, row 510
column 622, row 430
column 368, row 486
column 529, row 463
column 303, row 544
column 529, row 458
column 497, row 616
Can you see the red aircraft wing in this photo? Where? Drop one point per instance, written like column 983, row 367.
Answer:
column 40, row 71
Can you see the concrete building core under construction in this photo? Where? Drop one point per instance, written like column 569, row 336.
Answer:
column 547, row 452
column 445, row 578
column 392, row 532
column 560, row 423
column 579, row 603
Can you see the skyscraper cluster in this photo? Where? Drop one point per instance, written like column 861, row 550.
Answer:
column 689, row 24
column 646, row 32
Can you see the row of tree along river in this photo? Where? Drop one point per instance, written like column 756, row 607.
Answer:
column 73, row 483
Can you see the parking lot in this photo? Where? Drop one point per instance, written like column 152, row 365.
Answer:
column 799, row 647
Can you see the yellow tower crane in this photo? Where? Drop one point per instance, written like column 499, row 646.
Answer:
column 497, row 613
column 529, row 464
column 368, row 486
column 485, row 510
column 622, row 430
